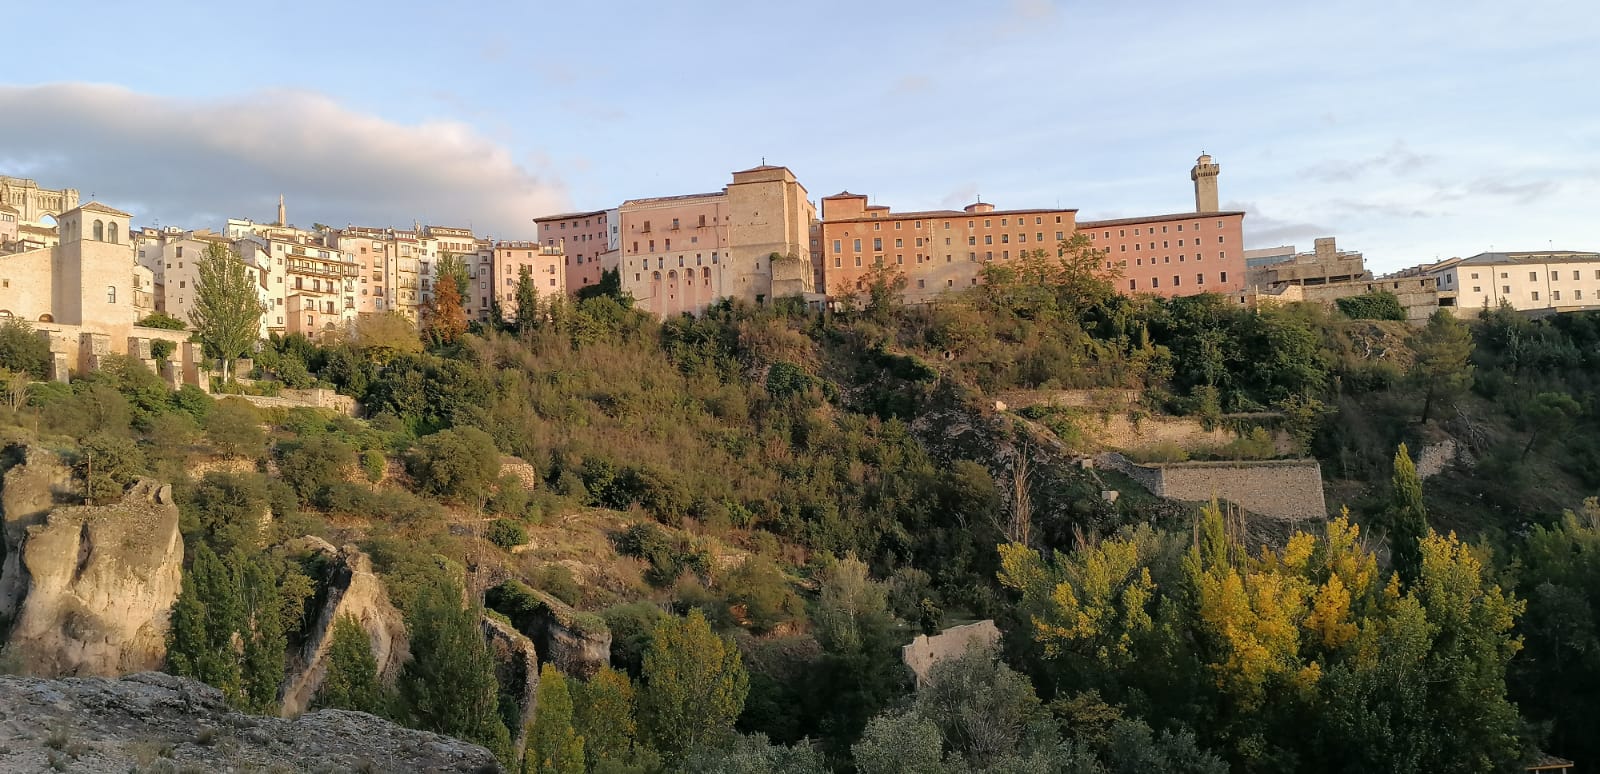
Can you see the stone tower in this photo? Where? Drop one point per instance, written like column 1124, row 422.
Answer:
column 1204, row 175
column 283, row 215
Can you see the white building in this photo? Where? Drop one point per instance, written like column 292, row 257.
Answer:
column 1541, row 279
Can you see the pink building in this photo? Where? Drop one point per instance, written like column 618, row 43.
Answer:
column 545, row 264
column 586, row 240
column 672, row 249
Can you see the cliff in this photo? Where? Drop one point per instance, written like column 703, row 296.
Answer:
column 92, row 586
column 158, row 722
column 353, row 590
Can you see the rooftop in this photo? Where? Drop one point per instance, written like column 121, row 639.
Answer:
column 569, row 215
column 98, row 207
column 1084, row 224
column 1533, row 256
column 681, row 197
column 891, row 215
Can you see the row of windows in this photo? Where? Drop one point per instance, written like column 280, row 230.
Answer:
column 1555, row 295
column 1038, row 220
column 1555, row 275
column 661, row 262
column 1177, row 281
column 1122, row 232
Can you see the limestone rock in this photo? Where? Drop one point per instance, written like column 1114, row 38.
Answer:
column 158, row 722
column 516, row 667
column 353, row 590
column 100, row 584
column 579, row 644
column 30, row 490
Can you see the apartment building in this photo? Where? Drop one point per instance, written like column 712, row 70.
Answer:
column 588, row 240
column 1530, row 280
column 546, row 265
column 9, row 224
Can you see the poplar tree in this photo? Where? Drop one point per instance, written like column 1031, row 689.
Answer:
column 227, row 310
column 204, row 620
column 553, row 746
column 449, row 684
column 694, row 685
column 1408, row 519
column 602, row 713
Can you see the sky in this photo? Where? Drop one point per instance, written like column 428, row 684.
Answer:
column 1409, row 130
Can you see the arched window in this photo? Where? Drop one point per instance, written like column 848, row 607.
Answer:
column 657, row 276
column 99, row 231
column 46, row 318
column 111, row 292
column 112, row 233
column 672, row 276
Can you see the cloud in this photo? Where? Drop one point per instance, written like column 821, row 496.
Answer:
column 960, row 197
column 1397, row 160
column 1262, row 230
column 194, row 163
column 910, row 85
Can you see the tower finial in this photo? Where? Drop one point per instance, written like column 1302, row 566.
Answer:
column 283, row 217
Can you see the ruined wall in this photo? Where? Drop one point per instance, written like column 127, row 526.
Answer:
column 924, row 652
column 317, row 398
column 1286, row 489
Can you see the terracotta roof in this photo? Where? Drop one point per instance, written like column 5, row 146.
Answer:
column 944, row 214
column 1086, row 224
column 98, row 207
column 654, row 199
column 569, row 215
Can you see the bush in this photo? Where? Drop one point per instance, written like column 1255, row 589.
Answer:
column 23, row 350
column 1381, row 305
column 108, row 464
column 163, row 321
column 373, row 464
column 161, row 349
column 507, row 533
column 557, row 581
column 314, row 464
column 459, row 463
column 233, row 426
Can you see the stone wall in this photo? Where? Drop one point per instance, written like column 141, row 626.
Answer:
column 1284, row 489
column 924, row 652
column 317, row 398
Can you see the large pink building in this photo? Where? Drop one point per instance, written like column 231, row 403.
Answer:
column 672, row 251
column 586, row 239
column 545, row 264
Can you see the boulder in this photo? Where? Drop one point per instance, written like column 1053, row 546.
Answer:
column 516, row 668
column 579, row 644
column 30, row 490
column 158, row 722
column 354, row 590
column 100, row 582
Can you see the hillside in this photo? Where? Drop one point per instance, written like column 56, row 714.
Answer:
column 570, row 512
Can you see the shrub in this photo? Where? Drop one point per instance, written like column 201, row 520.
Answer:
column 557, row 581
column 507, row 533
column 373, row 464
column 163, row 321
column 314, row 464
column 108, row 464
column 233, row 426
column 161, row 349
column 1381, row 305
column 23, row 350
column 459, row 463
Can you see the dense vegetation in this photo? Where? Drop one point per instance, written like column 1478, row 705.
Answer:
column 797, row 504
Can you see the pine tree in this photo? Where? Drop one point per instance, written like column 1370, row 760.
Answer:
column 553, row 746
column 227, row 310
column 352, row 678
column 1443, row 367
column 527, row 300
column 1408, row 519
column 694, row 685
column 449, row 684
column 261, row 632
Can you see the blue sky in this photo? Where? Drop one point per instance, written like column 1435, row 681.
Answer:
column 1409, row 130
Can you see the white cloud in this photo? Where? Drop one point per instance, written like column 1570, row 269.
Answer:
column 195, row 163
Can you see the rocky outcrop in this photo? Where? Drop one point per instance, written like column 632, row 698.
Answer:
column 30, row 490
column 353, row 590
column 99, row 581
column 579, row 644
column 516, row 667
column 158, row 722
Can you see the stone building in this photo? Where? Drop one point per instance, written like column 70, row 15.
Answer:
column 1328, row 274
column 9, row 216
column 1560, row 280
column 34, row 204
column 546, row 265
column 587, row 240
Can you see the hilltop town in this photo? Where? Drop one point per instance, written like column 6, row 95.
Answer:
column 86, row 275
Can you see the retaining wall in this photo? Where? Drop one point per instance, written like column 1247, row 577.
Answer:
column 1284, row 489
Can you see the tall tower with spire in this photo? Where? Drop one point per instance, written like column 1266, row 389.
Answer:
column 283, row 216
column 1204, row 174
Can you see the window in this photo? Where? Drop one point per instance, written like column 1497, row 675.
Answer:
column 111, row 291
column 1474, row 275
column 1533, row 275
column 1199, row 279
column 1577, row 295
column 837, row 245
column 858, row 260
column 920, row 284
column 1536, row 295
column 1174, row 280
column 1060, row 236
column 99, row 231
column 1575, row 274
column 1039, row 236
column 897, row 225
column 1477, row 289
column 674, row 222
column 950, row 283
column 1155, row 282
column 858, row 246
column 1133, row 284
column 1555, row 295
column 1224, row 277
column 1505, row 289
column 988, row 239
column 899, row 242
column 877, row 244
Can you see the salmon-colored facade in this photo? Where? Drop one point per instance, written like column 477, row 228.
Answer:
column 545, row 264
column 1173, row 255
column 587, row 240
column 672, row 251
column 937, row 250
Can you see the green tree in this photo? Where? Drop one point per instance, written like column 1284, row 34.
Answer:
column 227, row 310
column 22, row 350
column 262, row 633
column 1443, row 368
column 449, row 684
column 444, row 319
column 233, row 426
column 352, row 677
column 900, row 743
column 527, row 298
column 163, row 321
column 1549, row 414
column 108, row 463
column 209, row 612
column 1407, row 518
column 694, row 685
column 460, row 463
column 603, row 714
column 553, row 746
column 754, row 754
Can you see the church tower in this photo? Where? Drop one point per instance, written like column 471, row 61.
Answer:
column 283, row 216
column 1204, row 174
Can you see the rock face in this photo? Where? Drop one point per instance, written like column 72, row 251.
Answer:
column 98, row 583
column 30, row 490
column 158, row 722
column 355, row 591
column 516, row 668
column 578, row 644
